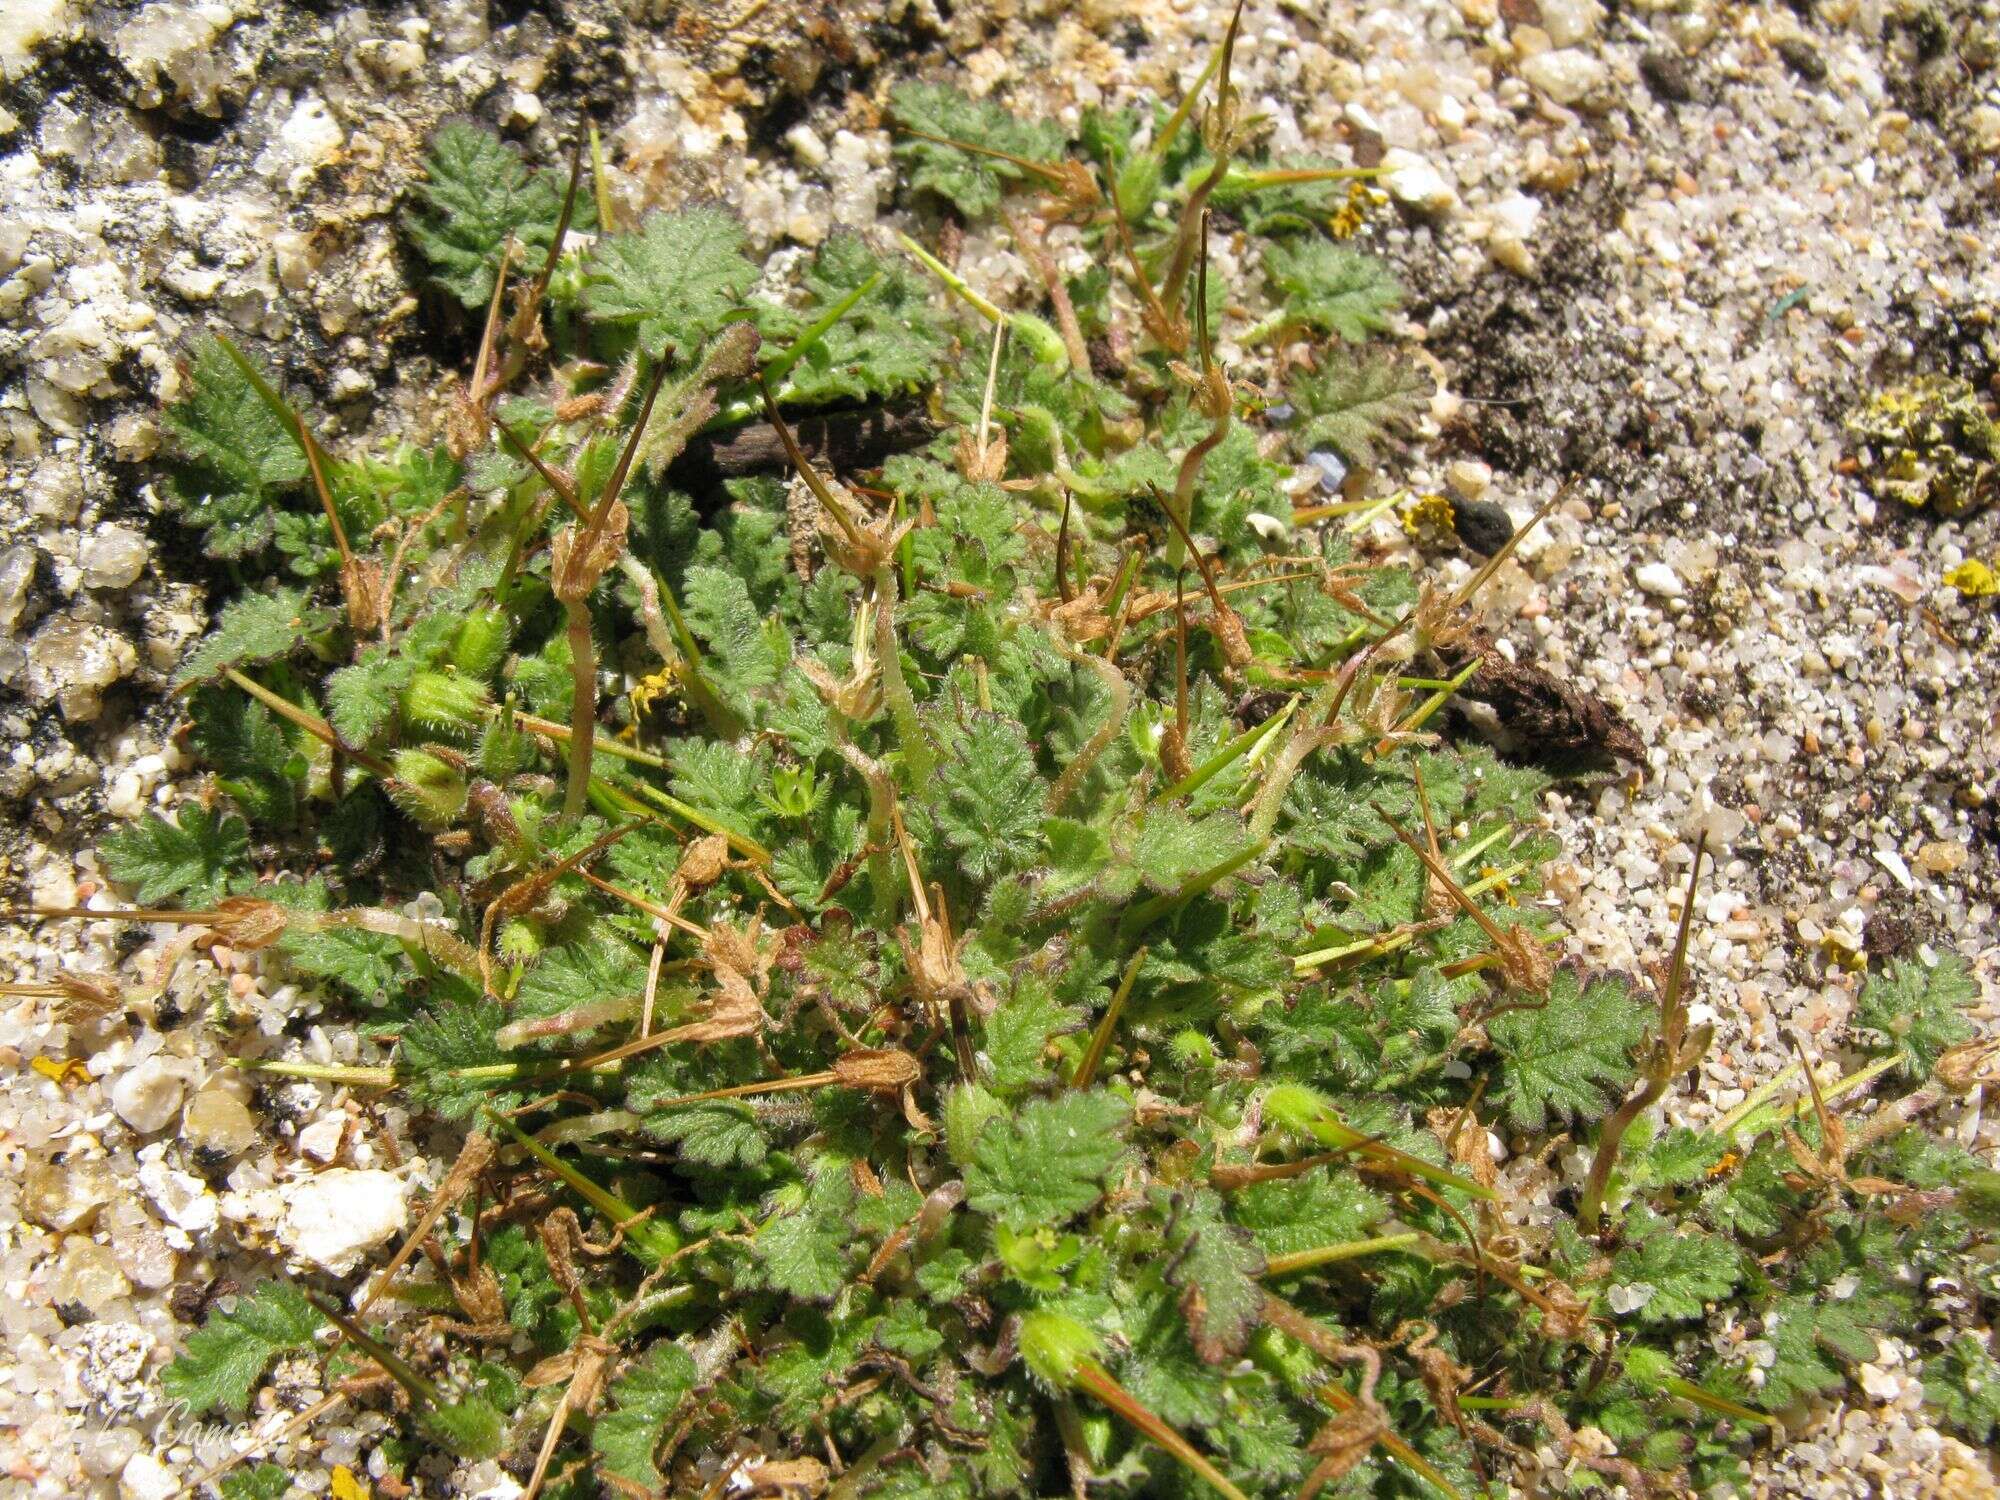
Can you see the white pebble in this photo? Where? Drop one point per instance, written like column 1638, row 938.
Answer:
column 332, row 1218
column 147, row 1097
column 146, row 1478
column 1659, row 580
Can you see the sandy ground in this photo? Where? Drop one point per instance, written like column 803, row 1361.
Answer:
column 1664, row 250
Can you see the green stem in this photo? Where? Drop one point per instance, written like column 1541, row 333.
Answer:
column 381, row 1078
column 1147, row 912
column 1437, row 700
column 1043, row 342
column 1100, row 1040
column 1250, row 740
column 918, row 757
column 1326, row 1255
column 649, row 1240
column 583, row 710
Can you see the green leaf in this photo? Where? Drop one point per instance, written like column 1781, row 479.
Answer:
column 1324, row 1207
column 718, row 1133
column 742, row 653
column 1018, row 1033
column 1332, row 288
column 1216, row 1265
column 257, row 627
column 192, row 857
column 888, row 343
column 1818, row 1338
column 1172, row 848
column 643, row 1400
column 362, row 699
column 1914, row 1012
column 238, row 456
column 1357, row 403
column 439, row 1044
column 263, row 1482
column 971, row 183
column 227, row 1358
column 1571, row 1057
column 243, row 740
column 804, row 1253
column 988, row 796
column 472, row 1428
column 674, row 282
column 1047, row 1163
column 1677, row 1273
column 1962, row 1385
column 475, row 194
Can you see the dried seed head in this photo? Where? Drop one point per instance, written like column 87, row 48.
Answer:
column 703, row 861
column 579, row 556
column 883, row 1070
column 250, row 924
column 1970, row 1065
column 1524, row 961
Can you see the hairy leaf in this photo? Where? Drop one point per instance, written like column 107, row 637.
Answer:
column 192, row 858
column 1570, row 1057
column 233, row 1349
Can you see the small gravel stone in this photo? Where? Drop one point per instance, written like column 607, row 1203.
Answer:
column 218, row 1125
column 1332, row 468
column 1414, row 181
column 113, row 558
column 1568, row 75
column 1468, row 477
column 146, row 1478
column 331, row 1218
column 1668, row 73
column 1659, row 580
column 1568, row 22
column 147, row 1096
column 1803, row 58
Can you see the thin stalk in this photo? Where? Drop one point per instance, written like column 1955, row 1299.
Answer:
column 1665, row 1060
column 600, row 187
column 1097, row 1380
column 1240, row 747
column 1767, row 1117
column 1426, row 710
column 1100, row 1039
column 400, row 1370
column 380, row 1078
column 1114, row 601
column 910, row 737
column 1463, row 857
column 1257, row 180
column 308, row 444
column 649, row 1240
column 311, row 723
column 583, row 707
column 1147, row 912
column 1326, row 1255
column 1321, row 957
column 1395, row 1446
column 1100, row 739
column 1043, row 341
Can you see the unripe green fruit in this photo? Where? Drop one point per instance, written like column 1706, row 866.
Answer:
column 481, row 643
column 444, row 703
column 428, row 787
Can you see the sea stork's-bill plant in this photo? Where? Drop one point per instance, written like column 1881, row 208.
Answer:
column 974, row 977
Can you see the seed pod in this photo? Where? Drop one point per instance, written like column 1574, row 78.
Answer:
column 428, row 787
column 250, row 924
column 884, row 1070
column 444, row 703
column 481, row 643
